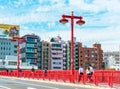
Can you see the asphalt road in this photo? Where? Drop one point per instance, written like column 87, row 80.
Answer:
column 12, row 83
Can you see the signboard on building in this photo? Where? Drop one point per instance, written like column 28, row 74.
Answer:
column 10, row 30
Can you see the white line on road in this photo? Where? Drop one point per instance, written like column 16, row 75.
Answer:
column 3, row 87
column 30, row 88
column 38, row 85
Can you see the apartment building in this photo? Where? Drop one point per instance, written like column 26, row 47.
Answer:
column 56, row 53
column 68, row 55
column 91, row 56
column 7, row 47
column 31, row 51
column 45, row 55
column 64, row 56
column 111, row 56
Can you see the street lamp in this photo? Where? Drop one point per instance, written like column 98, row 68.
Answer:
column 14, row 38
column 80, row 22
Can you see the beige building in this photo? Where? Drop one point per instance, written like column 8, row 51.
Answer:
column 45, row 55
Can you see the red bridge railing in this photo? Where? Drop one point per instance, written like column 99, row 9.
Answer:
column 106, row 77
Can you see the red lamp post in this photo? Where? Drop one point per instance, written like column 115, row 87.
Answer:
column 19, row 40
column 80, row 22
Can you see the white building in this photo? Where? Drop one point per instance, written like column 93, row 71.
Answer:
column 111, row 58
column 7, row 47
column 11, row 63
column 56, row 54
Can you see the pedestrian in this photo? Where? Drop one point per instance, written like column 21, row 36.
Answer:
column 88, row 74
column 45, row 71
column 81, row 72
column 33, row 69
column 91, row 70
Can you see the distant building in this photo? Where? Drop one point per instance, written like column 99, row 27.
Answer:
column 31, row 51
column 91, row 56
column 56, row 53
column 64, row 56
column 119, row 54
column 45, row 55
column 68, row 55
column 11, row 63
column 109, row 57
column 7, row 47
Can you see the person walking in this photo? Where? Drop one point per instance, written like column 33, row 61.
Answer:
column 81, row 72
column 91, row 73
column 91, row 70
column 32, row 69
column 88, row 74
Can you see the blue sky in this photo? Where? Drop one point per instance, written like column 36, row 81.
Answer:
column 41, row 17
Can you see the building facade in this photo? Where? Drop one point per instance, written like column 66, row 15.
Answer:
column 91, row 56
column 7, row 47
column 68, row 55
column 31, row 51
column 107, row 57
column 45, row 55
column 64, row 56
column 56, row 53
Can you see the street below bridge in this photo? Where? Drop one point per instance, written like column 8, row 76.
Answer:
column 14, row 83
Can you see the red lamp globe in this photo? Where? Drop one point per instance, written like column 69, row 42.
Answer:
column 80, row 22
column 63, row 20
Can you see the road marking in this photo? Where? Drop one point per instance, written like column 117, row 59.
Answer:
column 3, row 87
column 30, row 88
column 14, row 81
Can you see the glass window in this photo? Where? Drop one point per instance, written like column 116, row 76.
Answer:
column 57, row 63
column 30, row 55
column 56, row 45
column 30, row 39
column 15, row 46
column 30, row 45
column 57, row 67
column 30, row 50
column 12, row 63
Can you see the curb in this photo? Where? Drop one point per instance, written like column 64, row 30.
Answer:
column 63, row 83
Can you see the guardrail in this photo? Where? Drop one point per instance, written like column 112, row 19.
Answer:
column 106, row 77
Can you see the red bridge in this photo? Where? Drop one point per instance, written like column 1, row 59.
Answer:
column 107, row 77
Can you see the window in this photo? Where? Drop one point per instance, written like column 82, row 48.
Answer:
column 57, row 63
column 56, row 58
column 92, row 55
column 15, row 46
column 30, row 39
column 30, row 45
column 56, row 45
column 30, row 50
column 15, row 51
column 30, row 55
column 57, row 67
column 12, row 63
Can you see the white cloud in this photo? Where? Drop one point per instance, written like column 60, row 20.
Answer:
column 97, row 5
column 108, row 36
